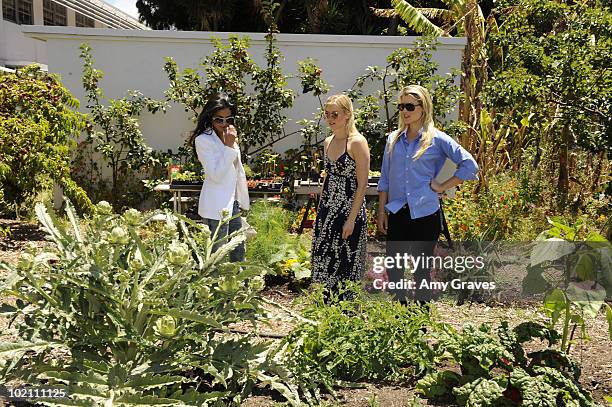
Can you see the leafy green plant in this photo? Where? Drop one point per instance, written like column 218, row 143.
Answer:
column 535, row 74
column 495, row 370
column 361, row 338
column 38, row 129
column 115, row 132
column 376, row 113
column 118, row 313
column 231, row 69
column 574, row 268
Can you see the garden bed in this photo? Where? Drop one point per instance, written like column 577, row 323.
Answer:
column 593, row 356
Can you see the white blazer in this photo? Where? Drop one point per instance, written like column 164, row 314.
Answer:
column 225, row 181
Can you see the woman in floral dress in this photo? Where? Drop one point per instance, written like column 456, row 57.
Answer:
column 340, row 232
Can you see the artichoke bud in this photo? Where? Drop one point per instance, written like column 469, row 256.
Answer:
column 132, row 217
column 136, row 262
column 257, row 283
column 118, row 236
column 104, row 208
column 178, row 254
column 166, row 326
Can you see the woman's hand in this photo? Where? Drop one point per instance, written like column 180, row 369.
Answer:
column 347, row 229
column 382, row 221
column 437, row 187
column 229, row 136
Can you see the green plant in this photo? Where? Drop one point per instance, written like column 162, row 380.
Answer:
column 361, row 338
column 38, row 128
column 376, row 113
column 574, row 268
column 124, row 312
column 115, row 132
column 495, row 370
column 231, row 69
column 497, row 212
column 534, row 54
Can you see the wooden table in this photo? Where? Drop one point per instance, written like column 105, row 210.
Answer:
column 178, row 190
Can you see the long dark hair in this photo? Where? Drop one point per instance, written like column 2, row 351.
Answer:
column 213, row 105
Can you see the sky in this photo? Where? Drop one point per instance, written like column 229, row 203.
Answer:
column 127, row 6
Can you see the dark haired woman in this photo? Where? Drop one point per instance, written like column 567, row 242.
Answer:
column 224, row 190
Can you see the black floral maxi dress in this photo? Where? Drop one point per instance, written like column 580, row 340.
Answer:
column 333, row 258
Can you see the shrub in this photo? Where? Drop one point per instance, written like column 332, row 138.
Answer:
column 37, row 131
column 361, row 338
column 117, row 314
column 495, row 370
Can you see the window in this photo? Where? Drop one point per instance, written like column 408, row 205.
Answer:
column 84, row 21
column 17, row 11
column 53, row 13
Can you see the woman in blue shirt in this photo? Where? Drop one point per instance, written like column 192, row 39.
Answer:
column 409, row 196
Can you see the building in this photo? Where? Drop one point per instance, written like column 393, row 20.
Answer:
column 18, row 50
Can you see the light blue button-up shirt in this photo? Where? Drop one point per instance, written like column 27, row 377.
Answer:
column 407, row 181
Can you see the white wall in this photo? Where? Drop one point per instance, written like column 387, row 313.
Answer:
column 133, row 60
column 17, row 49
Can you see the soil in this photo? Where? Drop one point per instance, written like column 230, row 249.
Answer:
column 594, row 355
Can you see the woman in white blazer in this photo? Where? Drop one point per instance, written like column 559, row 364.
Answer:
column 224, row 190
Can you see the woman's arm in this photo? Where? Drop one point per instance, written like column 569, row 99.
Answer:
column 466, row 165
column 215, row 165
column 382, row 218
column 361, row 155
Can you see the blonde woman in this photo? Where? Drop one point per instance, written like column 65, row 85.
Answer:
column 409, row 196
column 339, row 244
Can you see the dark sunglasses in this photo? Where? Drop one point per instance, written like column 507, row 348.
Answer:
column 408, row 106
column 332, row 115
column 223, row 120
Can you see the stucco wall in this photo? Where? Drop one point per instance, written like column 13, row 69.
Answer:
column 134, row 60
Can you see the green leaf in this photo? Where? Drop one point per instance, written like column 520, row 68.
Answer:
column 584, row 267
column 550, row 250
column 586, row 295
column 554, row 304
column 534, row 282
column 138, row 400
column 9, row 348
column 152, row 382
column 415, row 19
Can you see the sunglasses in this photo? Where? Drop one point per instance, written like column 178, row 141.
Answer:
column 408, row 106
column 332, row 115
column 223, row 120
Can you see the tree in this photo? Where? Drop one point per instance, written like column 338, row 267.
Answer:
column 465, row 18
column 38, row 129
column 552, row 63
column 291, row 16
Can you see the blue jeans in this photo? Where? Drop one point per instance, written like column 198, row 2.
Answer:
column 227, row 228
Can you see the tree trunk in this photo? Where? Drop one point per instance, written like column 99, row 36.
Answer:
column 563, row 181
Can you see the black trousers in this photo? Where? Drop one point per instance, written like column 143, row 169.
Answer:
column 414, row 237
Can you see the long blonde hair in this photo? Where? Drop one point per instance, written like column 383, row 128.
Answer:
column 345, row 103
column 422, row 95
